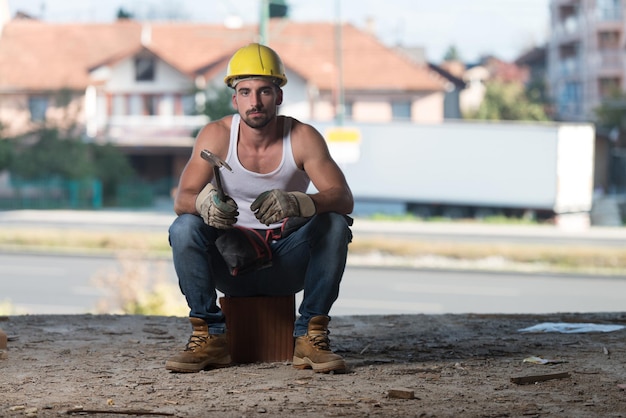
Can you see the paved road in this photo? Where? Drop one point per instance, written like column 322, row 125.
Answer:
column 39, row 283
column 45, row 284
column 63, row 284
column 445, row 291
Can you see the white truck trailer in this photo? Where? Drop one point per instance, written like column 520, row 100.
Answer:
column 466, row 169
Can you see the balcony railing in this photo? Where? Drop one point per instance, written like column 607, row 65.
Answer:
column 570, row 67
column 566, row 28
column 570, row 110
column 608, row 60
column 151, row 130
column 609, row 14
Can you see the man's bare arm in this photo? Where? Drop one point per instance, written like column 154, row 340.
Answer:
column 333, row 193
column 198, row 172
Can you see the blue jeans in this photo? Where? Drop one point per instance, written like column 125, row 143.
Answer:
column 312, row 259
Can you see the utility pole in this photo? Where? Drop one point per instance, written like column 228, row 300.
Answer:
column 264, row 22
column 340, row 105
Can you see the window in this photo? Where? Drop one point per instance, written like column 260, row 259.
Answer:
column 144, row 105
column 570, row 99
column 189, row 104
column 150, row 105
column 572, row 92
column 609, row 9
column 608, row 86
column 401, row 110
column 608, row 40
column 144, row 68
column 37, row 105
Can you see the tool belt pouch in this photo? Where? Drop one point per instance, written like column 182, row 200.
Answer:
column 291, row 225
column 244, row 250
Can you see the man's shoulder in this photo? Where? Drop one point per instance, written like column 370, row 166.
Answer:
column 215, row 136
column 223, row 123
column 301, row 128
column 219, row 126
column 306, row 141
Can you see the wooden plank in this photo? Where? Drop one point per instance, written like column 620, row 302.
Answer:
column 526, row 380
column 401, row 393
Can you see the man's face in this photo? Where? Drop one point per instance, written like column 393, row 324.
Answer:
column 256, row 101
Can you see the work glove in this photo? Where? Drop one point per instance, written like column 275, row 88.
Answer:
column 221, row 214
column 275, row 205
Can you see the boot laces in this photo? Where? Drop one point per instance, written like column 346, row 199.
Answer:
column 196, row 341
column 320, row 341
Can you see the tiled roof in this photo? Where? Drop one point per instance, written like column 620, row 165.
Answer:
column 39, row 55
column 36, row 55
column 309, row 48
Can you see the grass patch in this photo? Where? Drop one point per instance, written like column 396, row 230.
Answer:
column 66, row 240
column 558, row 257
column 584, row 258
column 492, row 219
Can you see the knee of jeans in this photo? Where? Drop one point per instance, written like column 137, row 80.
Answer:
column 183, row 227
column 337, row 226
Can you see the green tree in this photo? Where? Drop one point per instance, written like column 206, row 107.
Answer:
column 123, row 14
column 52, row 156
column 611, row 113
column 219, row 103
column 6, row 150
column 452, row 54
column 6, row 153
column 508, row 101
column 111, row 167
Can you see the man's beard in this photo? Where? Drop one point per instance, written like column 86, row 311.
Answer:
column 257, row 122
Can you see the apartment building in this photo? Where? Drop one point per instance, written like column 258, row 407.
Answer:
column 586, row 59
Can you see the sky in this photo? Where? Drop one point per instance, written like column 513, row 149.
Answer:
column 504, row 28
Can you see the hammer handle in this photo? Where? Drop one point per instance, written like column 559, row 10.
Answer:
column 218, row 182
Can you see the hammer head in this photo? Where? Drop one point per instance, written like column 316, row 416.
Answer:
column 214, row 159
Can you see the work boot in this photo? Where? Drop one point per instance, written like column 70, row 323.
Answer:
column 203, row 350
column 313, row 351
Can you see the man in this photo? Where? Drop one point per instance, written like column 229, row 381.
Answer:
column 273, row 160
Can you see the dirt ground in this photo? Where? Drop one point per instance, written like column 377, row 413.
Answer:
column 399, row 366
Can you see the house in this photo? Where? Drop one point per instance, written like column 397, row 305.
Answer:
column 454, row 85
column 139, row 84
column 535, row 59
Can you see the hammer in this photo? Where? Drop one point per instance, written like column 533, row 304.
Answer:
column 216, row 162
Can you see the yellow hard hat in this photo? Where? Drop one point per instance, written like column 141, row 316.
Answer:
column 255, row 60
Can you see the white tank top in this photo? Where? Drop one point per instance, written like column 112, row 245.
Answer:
column 244, row 185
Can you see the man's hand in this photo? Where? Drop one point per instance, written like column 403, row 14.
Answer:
column 221, row 214
column 275, row 205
